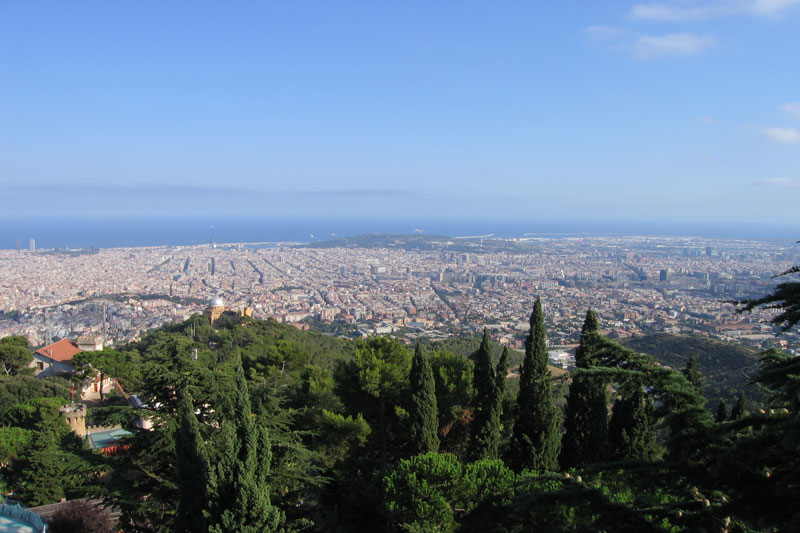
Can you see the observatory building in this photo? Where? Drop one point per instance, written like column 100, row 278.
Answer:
column 216, row 308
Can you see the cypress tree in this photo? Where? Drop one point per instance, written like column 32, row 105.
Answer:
column 535, row 442
column 586, row 437
column 242, row 500
column 630, row 432
column 486, row 426
column 722, row 412
column 504, row 402
column 423, row 411
column 692, row 374
column 584, row 355
column 738, row 411
column 192, row 470
column 501, row 374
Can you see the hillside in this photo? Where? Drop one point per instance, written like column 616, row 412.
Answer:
column 334, row 419
column 261, row 337
column 466, row 346
column 725, row 366
column 425, row 242
column 380, row 240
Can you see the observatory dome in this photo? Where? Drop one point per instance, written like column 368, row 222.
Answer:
column 216, row 301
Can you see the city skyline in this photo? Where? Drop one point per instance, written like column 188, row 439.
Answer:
column 629, row 111
column 424, row 286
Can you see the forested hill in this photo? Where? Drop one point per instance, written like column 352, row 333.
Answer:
column 726, row 367
column 424, row 242
column 268, row 337
column 258, row 426
column 467, row 346
column 381, row 240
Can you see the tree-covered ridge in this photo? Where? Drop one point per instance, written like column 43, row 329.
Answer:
column 726, row 367
column 259, row 426
column 466, row 346
column 384, row 240
column 419, row 242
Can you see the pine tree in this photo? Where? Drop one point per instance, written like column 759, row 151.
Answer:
column 694, row 376
column 722, row 412
column 486, row 426
column 378, row 383
column 586, row 437
column 42, row 471
column 785, row 297
column 192, row 471
column 423, row 411
column 242, row 501
column 535, row 442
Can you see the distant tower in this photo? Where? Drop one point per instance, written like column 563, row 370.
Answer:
column 75, row 416
column 32, row 245
column 18, row 245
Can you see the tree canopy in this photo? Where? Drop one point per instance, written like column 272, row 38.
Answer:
column 253, row 429
column 15, row 354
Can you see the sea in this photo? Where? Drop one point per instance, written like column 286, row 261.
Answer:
column 78, row 232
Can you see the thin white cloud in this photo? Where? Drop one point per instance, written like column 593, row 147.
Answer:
column 771, row 7
column 676, row 11
column 671, row 44
column 705, row 120
column 669, row 12
column 791, row 108
column 782, row 135
column 781, row 182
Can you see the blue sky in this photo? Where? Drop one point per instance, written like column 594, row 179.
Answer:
column 683, row 110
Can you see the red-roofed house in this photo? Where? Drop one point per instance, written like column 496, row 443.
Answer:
column 54, row 358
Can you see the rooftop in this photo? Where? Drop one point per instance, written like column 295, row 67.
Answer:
column 62, row 351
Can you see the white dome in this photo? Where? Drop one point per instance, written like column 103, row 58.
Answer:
column 216, row 301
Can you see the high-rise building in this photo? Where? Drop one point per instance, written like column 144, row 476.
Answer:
column 32, row 245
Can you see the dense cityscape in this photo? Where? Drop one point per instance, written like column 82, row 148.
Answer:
column 433, row 287
column 402, row 267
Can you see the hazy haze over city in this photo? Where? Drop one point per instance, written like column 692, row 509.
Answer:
column 628, row 111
